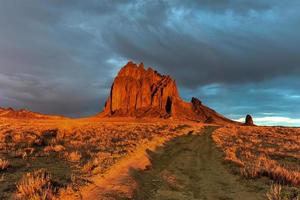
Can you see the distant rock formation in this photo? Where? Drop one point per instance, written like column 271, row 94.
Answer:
column 249, row 120
column 136, row 91
column 24, row 114
column 140, row 92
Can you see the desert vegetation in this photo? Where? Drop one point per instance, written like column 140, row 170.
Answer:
column 35, row 185
column 52, row 159
column 70, row 150
column 3, row 164
column 272, row 152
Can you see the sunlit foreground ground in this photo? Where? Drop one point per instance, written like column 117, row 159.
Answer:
column 52, row 158
column 104, row 159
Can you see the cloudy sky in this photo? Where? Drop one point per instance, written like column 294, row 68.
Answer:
column 237, row 56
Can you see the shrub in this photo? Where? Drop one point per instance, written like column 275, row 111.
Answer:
column 75, row 156
column 275, row 193
column 250, row 170
column 59, row 148
column 68, row 193
column 4, row 164
column 35, row 185
column 89, row 167
column 263, row 166
column 56, row 148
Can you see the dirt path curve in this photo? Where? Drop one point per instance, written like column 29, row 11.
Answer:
column 189, row 168
column 118, row 183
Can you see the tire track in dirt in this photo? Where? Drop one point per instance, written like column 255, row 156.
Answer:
column 190, row 168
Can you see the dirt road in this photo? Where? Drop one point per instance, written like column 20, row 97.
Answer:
column 189, row 168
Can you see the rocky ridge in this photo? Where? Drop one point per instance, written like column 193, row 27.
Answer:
column 24, row 114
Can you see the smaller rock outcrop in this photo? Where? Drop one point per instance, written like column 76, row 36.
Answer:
column 249, row 121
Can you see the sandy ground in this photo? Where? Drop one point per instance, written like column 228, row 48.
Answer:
column 118, row 182
column 188, row 167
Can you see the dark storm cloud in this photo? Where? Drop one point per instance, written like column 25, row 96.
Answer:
column 221, row 6
column 47, row 64
column 272, row 102
column 60, row 56
column 263, row 98
column 237, row 45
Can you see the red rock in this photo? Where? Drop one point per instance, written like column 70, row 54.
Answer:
column 140, row 92
column 249, row 120
column 24, row 114
column 136, row 90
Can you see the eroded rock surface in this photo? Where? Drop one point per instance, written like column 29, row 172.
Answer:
column 137, row 91
column 140, row 92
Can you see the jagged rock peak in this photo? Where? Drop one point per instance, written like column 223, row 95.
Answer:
column 137, row 71
column 140, row 92
column 136, row 90
column 196, row 101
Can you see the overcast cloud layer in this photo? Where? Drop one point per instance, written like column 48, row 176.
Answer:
column 239, row 57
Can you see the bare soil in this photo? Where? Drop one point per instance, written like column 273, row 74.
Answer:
column 192, row 167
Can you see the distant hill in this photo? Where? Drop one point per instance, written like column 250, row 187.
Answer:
column 25, row 114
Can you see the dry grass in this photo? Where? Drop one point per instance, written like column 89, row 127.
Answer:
column 273, row 152
column 35, row 185
column 276, row 193
column 55, row 148
column 88, row 147
column 263, row 166
column 74, row 156
column 67, row 193
column 4, row 164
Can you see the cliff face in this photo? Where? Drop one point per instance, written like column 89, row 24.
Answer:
column 137, row 91
column 140, row 92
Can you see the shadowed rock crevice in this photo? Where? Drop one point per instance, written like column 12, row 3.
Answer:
column 169, row 105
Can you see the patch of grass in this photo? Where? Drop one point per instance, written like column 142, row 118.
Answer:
column 71, row 150
column 60, row 170
column 263, row 166
column 271, row 152
column 4, row 164
column 36, row 185
column 277, row 192
column 74, row 156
